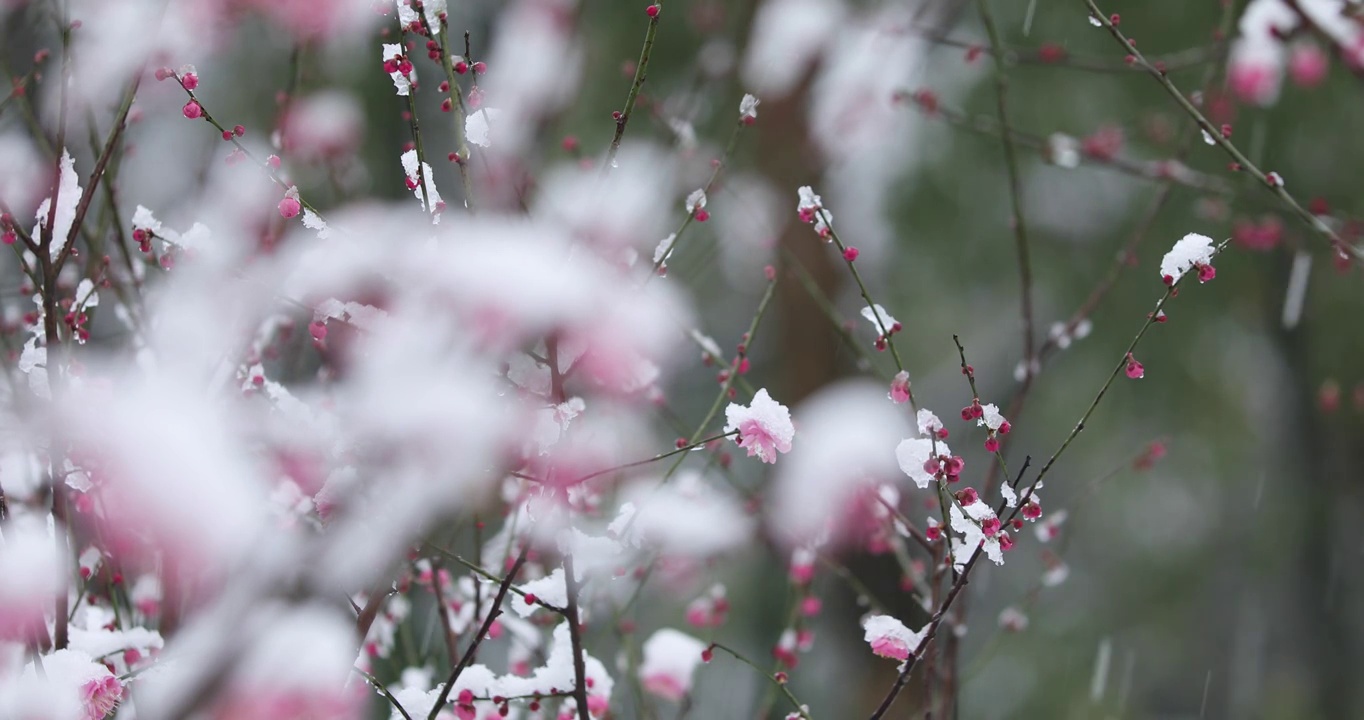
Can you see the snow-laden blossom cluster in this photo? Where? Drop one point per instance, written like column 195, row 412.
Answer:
column 308, row 449
column 764, row 427
column 1192, row 252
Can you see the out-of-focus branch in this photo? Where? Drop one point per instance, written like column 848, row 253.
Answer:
column 1271, row 181
column 1020, row 226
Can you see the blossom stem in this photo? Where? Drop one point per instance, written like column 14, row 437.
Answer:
column 1178, row 60
column 493, row 612
column 457, row 100
column 827, row 307
column 1164, row 170
column 780, row 686
column 932, row 629
column 110, row 145
column 1312, row 221
column 975, row 395
column 733, row 372
column 264, row 166
column 686, row 222
column 379, row 686
column 866, row 296
column 576, row 640
column 1015, row 185
column 641, row 72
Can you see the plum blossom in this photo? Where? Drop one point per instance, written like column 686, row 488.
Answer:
column 696, row 205
column 899, row 389
column 1192, row 251
column 748, row 109
column 889, row 638
column 393, row 63
column 764, row 426
column 883, row 322
column 670, row 659
column 409, row 160
column 926, row 460
column 979, row 527
column 811, row 210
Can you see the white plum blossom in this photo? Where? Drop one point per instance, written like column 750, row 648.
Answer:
column 889, row 638
column 748, row 108
column 764, row 426
column 1191, row 250
column 670, row 660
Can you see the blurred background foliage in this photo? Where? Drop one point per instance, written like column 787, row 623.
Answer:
column 1223, row 581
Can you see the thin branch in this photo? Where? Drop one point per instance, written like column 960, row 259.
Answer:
column 576, row 639
column 641, row 72
column 1015, row 185
column 1275, row 186
column 493, row 612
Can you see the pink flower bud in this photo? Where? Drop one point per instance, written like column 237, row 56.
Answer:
column 192, row 110
column 1135, row 370
column 290, row 207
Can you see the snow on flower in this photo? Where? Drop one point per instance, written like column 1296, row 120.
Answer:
column 919, row 458
column 68, row 197
column 764, row 426
column 811, row 209
column 297, row 659
column 821, row 487
column 889, row 638
column 478, row 126
column 663, row 252
column 991, row 417
column 899, row 388
column 688, row 517
column 670, row 659
column 550, row 589
column 392, row 56
column 930, row 425
column 883, row 322
column 1257, row 57
column 748, row 108
column 696, row 200
column 1193, row 250
column 312, row 221
column 33, row 572
column 978, row 527
column 77, row 683
column 409, row 160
